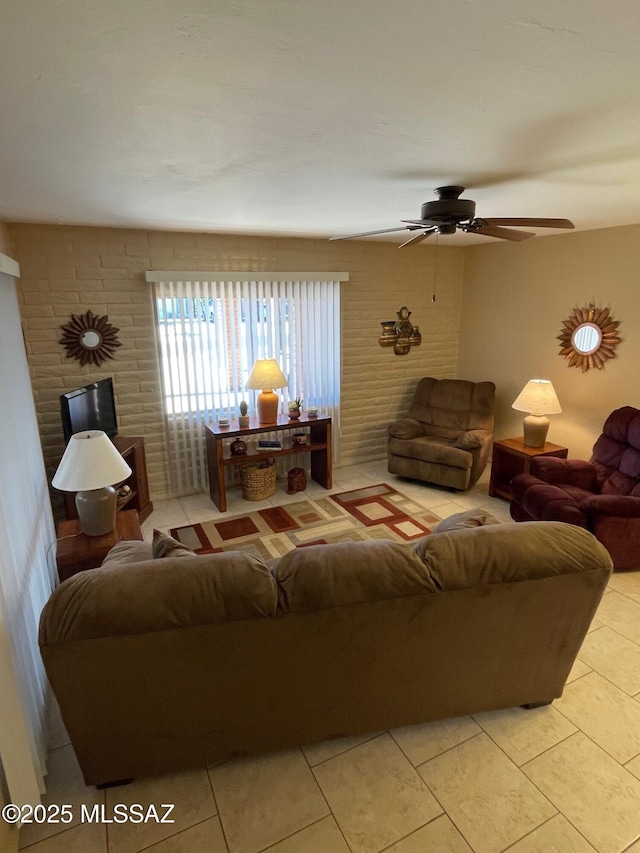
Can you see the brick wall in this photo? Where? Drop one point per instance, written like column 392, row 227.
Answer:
column 69, row 270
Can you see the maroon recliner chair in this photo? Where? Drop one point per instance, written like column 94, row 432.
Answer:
column 602, row 495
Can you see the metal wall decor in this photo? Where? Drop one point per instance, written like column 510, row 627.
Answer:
column 589, row 337
column 89, row 338
column 400, row 334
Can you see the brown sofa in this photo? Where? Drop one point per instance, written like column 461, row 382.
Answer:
column 183, row 661
column 446, row 436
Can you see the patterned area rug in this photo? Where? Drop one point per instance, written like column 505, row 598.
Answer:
column 375, row 512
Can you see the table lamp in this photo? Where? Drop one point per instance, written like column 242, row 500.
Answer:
column 265, row 376
column 538, row 397
column 91, row 466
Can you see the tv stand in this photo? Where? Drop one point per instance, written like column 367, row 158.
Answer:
column 133, row 452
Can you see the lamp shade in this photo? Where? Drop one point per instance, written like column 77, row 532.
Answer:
column 90, row 462
column 266, row 374
column 538, row 397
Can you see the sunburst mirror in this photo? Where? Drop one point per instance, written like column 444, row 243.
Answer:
column 89, row 338
column 589, row 337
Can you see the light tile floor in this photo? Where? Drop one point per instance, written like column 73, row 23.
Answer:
column 563, row 778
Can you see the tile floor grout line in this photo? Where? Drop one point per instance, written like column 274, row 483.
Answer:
column 444, row 811
column 521, row 766
column 422, row 826
column 615, row 631
column 444, row 751
column 344, row 751
column 604, row 677
column 553, row 817
column 530, row 832
column 215, row 802
column 168, row 837
column 301, row 829
column 28, row 847
column 562, row 739
column 591, row 740
column 629, row 846
column 315, row 779
column 586, row 734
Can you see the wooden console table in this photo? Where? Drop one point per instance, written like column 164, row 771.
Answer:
column 219, row 457
column 511, row 456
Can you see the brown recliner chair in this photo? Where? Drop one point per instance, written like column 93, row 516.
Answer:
column 602, row 495
column 446, row 436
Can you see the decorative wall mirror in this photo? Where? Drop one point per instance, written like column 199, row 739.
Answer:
column 89, row 338
column 589, row 337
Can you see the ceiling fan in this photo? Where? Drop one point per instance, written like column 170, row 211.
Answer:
column 450, row 212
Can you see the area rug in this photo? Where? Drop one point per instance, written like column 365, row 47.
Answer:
column 374, row 512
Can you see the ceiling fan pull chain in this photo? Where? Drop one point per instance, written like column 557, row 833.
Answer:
column 435, row 269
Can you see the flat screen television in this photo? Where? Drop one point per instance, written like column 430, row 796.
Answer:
column 90, row 407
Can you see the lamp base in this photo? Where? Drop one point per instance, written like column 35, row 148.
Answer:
column 536, row 428
column 97, row 510
column 267, row 405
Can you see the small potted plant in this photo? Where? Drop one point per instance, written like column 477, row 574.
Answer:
column 295, row 407
column 243, row 420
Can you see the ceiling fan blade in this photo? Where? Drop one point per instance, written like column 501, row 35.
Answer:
column 422, row 223
column 530, row 222
column 371, row 233
column 417, row 238
column 503, row 233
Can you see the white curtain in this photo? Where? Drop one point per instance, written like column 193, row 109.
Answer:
column 27, row 564
column 212, row 326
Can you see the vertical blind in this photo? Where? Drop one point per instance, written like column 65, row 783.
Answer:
column 213, row 326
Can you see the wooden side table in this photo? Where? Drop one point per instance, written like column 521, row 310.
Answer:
column 77, row 551
column 511, row 456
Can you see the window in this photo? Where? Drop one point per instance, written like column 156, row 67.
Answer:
column 211, row 329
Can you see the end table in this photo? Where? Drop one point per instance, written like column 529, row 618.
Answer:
column 77, row 551
column 511, row 456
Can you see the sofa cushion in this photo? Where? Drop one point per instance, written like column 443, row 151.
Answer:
column 322, row 576
column 477, row 517
column 158, row 595
column 504, row 553
column 429, row 449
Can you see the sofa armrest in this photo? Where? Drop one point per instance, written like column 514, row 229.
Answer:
column 568, row 472
column 406, row 428
column 472, row 439
column 620, row 506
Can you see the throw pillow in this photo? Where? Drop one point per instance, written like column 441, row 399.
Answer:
column 477, row 517
column 166, row 546
column 128, row 551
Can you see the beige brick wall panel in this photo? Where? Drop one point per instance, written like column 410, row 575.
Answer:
column 51, row 297
column 79, row 264
column 129, row 263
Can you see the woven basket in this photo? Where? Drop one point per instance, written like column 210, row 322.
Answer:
column 258, row 481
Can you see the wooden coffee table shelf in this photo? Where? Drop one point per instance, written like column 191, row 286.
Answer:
column 77, row 551
column 511, row 456
column 219, row 458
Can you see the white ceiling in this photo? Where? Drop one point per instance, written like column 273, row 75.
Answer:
column 317, row 118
